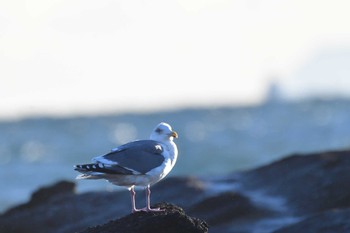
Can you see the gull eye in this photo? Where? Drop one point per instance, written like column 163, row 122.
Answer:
column 158, row 130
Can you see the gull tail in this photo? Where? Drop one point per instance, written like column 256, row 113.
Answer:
column 100, row 170
column 89, row 171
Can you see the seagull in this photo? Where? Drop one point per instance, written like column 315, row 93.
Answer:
column 137, row 163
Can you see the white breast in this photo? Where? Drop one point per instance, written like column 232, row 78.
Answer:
column 170, row 154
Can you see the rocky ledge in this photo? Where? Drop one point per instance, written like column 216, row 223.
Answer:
column 300, row 193
column 171, row 220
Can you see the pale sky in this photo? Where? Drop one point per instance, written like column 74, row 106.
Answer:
column 85, row 56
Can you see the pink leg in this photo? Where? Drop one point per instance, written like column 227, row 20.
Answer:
column 133, row 203
column 148, row 202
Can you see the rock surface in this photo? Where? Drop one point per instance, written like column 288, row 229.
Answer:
column 329, row 221
column 300, row 193
column 172, row 220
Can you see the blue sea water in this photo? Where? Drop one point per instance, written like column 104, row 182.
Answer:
column 213, row 141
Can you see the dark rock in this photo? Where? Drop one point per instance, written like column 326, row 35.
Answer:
column 45, row 194
column 309, row 183
column 172, row 220
column 224, row 208
column 66, row 212
column 332, row 221
column 182, row 191
column 300, row 193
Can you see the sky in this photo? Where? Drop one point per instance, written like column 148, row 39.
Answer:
column 65, row 57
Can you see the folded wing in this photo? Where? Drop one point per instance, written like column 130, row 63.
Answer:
column 138, row 157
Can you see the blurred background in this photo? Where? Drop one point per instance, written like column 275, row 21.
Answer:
column 243, row 82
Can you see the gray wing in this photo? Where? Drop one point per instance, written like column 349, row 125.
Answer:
column 136, row 157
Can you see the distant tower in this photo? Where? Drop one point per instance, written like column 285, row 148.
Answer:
column 274, row 93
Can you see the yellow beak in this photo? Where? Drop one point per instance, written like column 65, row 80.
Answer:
column 174, row 134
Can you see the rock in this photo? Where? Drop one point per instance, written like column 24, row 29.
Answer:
column 309, row 183
column 172, row 220
column 224, row 208
column 45, row 194
column 327, row 222
column 182, row 191
column 300, row 193
column 66, row 212
column 49, row 210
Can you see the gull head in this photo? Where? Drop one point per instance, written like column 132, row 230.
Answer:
column 163, row 132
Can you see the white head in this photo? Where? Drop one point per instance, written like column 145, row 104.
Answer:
column 163, row 132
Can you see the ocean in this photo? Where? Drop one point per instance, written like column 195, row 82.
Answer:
column 35, row 152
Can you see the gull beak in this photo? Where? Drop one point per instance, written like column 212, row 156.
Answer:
column 174, row 134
